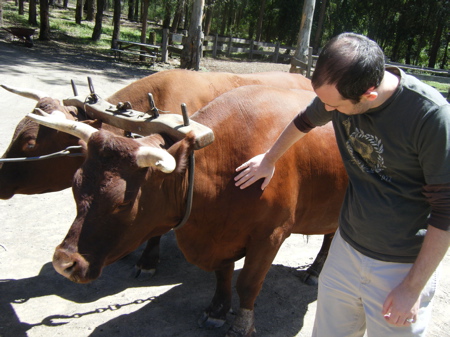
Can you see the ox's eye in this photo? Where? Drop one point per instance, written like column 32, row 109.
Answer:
column 31, row 144
column 120, row 207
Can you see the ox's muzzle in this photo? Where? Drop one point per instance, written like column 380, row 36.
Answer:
column 73, row 266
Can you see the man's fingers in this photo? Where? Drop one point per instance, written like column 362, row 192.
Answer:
column 241, row 175
column 243, row 166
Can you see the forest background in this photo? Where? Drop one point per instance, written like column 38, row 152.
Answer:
column 414, row 32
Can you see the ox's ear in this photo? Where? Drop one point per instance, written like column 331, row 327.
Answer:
column 181, row 151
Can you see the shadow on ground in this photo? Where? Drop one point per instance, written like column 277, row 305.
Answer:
column 283, row 302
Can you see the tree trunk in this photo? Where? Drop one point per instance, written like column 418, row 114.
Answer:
column 21, row 7
column 223, row 26
column 116, row 21
column 259, row 25
column 1, row 13
column 167, row 13
column 319, row 31
column 435, row 46
column 136, row 10
column 177, row 18
column 79, row 12
column 445, row 57
column 192, row 44
column 145, row 4
column 44, row 31
column 131, row 4
column 32, row 13
column 90, row 10
column 208, row 16
column 301, row 53
column 97, row 33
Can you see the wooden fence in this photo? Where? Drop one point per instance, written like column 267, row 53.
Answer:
column 275, row 52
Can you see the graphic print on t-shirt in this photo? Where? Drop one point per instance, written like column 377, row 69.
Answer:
column 365, row 150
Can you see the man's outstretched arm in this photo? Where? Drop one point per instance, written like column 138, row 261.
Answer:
column 263, row 165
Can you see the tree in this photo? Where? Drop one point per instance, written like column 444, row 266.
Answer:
column 21, row 7
column 320, row 23
column 32, row 13
column 79, row 11
column 145, row 4
column 116, row 22
column 191, row 54
column 208, row 15
column 131, row 4
column 301, row 53
column 90, row 10
column 259, row 25
column 44, row 31
column 97, row 33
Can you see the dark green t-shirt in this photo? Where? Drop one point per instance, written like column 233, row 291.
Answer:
column 390, row 153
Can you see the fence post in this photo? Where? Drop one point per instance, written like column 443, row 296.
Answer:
column 152, row 38
column 216, row 37
column 277, row 52
column 251, row 49
column 164, row 47
column 229, row 46
column 200, row 38
column 309, row 67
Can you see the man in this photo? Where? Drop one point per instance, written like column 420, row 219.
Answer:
column 393, row 133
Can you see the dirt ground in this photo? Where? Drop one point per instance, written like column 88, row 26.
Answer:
column 35, row 301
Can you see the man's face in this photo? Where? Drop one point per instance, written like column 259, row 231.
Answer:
column 333, row 100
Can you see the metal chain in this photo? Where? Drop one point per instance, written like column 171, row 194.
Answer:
column 66, row 152
column 50, row 320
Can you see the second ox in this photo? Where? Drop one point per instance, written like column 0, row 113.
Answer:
column 142, row 184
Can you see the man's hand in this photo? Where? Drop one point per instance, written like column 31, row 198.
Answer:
column 256, row 168
column 401, row 306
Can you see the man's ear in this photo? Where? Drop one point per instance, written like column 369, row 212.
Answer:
column 370, row 95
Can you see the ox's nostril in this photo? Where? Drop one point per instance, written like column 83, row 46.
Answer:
column 69, row 267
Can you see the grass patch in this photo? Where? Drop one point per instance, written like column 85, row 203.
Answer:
column 63, row 28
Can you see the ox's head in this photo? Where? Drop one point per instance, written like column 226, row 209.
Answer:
column 121, row 193
column 32, row 140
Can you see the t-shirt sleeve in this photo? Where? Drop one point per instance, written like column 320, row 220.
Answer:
column 438, row 197
column 314, row 115
column 434, row 146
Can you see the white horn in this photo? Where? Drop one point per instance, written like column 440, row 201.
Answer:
column 55, row 113
column 150, row 156
column 28, row 93
column 77, row 129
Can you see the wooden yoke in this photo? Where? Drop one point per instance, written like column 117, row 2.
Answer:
column 124, row 117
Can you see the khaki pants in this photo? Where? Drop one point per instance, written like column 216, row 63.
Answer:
column 352, row 290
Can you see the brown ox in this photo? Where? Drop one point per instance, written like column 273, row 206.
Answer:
column 169, row 88
column 125, row 193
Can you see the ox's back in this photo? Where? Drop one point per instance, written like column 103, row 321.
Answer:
column 170, row 88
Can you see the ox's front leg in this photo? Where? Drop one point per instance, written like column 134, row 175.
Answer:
column 311, row 276
column 258, row 261
column 216, row 313
column 146, row 265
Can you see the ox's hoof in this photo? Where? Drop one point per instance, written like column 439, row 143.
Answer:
column 209, row 322
column 308, row 279
column 244, row 324
column 233, row 333
column 143, row 274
